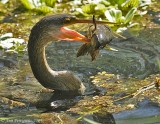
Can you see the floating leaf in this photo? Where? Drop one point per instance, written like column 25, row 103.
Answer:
column 10, row 44
column 28, row 4
column 130, row 15
column 4, row 1
column 135, row 26
column 6, row 45
column 122, row 29
column 44, row 6
column 50, row 3
column 5, row 36
column 114, row 15
column 118, row 2
column 44, row 9
column 145, row 2
column 100, row 9
column 130, row 3
column 89, row 8
column 105, row 2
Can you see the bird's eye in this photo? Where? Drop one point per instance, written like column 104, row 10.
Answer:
column 67, row 19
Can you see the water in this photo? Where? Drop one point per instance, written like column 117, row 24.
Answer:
column 147, row 112
column 136, row 56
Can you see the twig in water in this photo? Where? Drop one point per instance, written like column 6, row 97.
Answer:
column 142, row 89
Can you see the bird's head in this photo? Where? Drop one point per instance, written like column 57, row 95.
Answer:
column 55, row 26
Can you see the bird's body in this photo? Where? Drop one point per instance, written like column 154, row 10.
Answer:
column 51, row 28
column 42, row 33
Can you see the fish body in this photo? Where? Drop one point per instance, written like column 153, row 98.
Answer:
column 99, row 39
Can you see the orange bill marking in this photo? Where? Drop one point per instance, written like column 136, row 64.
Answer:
column 71, row 35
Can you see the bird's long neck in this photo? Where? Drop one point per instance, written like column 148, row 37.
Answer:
column 57, row 80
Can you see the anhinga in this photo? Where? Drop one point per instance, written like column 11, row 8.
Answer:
column 51, row 28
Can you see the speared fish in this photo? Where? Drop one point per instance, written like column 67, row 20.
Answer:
column 99, row 36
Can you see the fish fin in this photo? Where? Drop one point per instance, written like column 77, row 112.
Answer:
column 84, row 49
column 94, row 54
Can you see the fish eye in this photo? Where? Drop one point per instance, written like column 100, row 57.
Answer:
column 102, row 45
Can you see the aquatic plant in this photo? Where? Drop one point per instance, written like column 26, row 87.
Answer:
column 44, row 6
column 119, row 11
column 10, row 44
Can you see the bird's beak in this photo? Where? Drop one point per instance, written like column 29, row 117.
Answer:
column 72, row 35
column 91, row 21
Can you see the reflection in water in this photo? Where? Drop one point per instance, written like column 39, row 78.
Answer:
column 136, row 56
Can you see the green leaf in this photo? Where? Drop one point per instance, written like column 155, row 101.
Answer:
column 89, row 8
column 100, row 9
column 116, row 2
column 145, row 2
column 50, row 3
column 5, row 36
column 130, row 15
column 130, row 3
column 44, row 9
column 105, row 2
column 114, row 15
column 10, row 44
column 28, row 4
column 44, row 6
